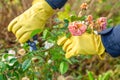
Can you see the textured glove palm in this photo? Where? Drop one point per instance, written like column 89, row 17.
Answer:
column 32, row 19
column 85, row 44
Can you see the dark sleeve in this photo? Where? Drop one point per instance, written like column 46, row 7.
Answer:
column 111, row 40
column 56, row 3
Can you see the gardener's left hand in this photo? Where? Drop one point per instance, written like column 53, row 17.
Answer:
column 88, row 44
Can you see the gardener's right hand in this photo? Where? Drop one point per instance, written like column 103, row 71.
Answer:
column 88, row 44
column 32, row 19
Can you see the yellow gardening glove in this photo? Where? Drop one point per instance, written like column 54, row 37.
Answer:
column 35, row 1
column 32, row 19
column 88, row 44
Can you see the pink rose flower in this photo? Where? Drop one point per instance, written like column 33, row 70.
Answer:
column 102, row 21
column 77, row 28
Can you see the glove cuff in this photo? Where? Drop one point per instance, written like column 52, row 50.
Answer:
column 101, row 48
column 56, row 3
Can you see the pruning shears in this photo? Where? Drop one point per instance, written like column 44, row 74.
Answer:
column 33, row 43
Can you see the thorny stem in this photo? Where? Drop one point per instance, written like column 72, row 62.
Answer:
column 36, row 51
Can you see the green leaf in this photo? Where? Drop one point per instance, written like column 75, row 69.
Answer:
column 16, row 75
column 35, row 32
column 67, row 8
column 2, row 77
column 107, row 75
column 26, row 64
column 74, row 60
column 89, row 30
column 73, row 18
column 25, row 46
column 12, row 61
column 3, row 67
column 83, row 18
column 110, row 21
column 66, row 23
column 68, row 35
column 54, row 68
column 100, row 77
column 5, row 56
column 35, row 78
column 69, row 61
column 109, row 26
column 90, row 75
column 64, row 14
column 46, row 34
column 63, row 67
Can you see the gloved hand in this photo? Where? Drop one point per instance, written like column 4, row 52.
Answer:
column 88, row 44
column 32, row 19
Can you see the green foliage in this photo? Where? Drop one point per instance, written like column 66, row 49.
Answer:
column 65, row 14
column 105, row 76
column 110, row 21
column 37, row 31
column 2, row 77
column 63, row 67
column 26, row 64
column 90, row 75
